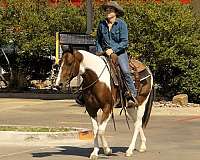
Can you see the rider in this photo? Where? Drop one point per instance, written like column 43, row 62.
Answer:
column 112, row 37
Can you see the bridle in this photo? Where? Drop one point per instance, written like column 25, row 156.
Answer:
column 71, row 75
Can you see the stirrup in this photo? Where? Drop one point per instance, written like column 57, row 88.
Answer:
column 118, row 104
column 132, row 103
column 128, row 95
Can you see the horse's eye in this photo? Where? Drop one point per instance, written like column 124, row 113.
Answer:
column 68, row 64
column 60, row 62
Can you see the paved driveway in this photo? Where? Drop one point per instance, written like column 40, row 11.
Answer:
column 172, row 133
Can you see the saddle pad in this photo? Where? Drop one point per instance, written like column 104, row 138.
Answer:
column 143, row 75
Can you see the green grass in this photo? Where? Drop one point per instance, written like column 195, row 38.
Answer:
column 35, row 129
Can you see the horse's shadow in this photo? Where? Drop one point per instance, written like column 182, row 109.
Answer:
column 75, row 151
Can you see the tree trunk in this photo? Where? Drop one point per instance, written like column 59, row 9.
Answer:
column 18, row 80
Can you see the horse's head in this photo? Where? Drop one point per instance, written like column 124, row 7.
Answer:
column 70, row 64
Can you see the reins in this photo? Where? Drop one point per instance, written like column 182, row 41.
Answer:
column 81, row 90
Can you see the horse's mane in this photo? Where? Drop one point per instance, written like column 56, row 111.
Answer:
column 93, row 59
column 89, row 54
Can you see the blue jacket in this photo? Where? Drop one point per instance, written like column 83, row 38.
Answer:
column 117, row 38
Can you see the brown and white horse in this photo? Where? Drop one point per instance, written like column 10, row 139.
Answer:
column 97, row 95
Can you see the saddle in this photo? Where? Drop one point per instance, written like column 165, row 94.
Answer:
column 138, row 71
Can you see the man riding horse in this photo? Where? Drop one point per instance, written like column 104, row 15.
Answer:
column 112, row 38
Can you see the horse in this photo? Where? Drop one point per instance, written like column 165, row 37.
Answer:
column 97, row 93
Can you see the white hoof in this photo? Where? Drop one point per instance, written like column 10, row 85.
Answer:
column 142, row 148
column 93, row 157
column 108, row 151
column 129, row 153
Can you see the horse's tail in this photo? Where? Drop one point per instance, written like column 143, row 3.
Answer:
column 148, row 106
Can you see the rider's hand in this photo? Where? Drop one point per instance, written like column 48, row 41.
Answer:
column 109, row 51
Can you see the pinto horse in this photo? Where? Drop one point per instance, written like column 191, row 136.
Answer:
column 97, row 93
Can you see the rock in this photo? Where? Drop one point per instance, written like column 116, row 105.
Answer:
column 181, row 99
column 169, row 104
column 38, row 84
column 196, row 105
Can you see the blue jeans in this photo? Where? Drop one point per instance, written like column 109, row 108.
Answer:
column 123, row 63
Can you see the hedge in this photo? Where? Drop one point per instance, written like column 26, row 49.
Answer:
column 166, row 36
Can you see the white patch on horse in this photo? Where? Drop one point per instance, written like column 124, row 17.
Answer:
column 137, row 114
column 96, row 143
column 97, row 65
column 81, row 69
column 59, row 74
column 102, row 128
column 99, row 130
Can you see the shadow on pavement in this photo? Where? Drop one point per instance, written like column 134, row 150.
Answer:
column 76, row 151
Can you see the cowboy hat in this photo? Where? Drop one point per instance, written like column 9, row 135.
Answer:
column 114, row 5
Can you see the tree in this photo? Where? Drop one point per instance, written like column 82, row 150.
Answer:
column 30, row 27
column 166, row 35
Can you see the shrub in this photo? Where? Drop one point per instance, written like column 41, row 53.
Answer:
column 30, row 27
column 166, row 36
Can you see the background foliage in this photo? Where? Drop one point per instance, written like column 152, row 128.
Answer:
column 28, row 29
column 164, row 35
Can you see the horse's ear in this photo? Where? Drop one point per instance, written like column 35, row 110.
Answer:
column 71, row 49
column 78, row 55
column 67, row 48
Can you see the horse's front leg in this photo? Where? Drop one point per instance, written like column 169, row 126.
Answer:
column 102, row 127
column 94, row 154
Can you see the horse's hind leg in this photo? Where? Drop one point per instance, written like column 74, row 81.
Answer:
column 136, row 114
column 102, row 127
column 143, row 141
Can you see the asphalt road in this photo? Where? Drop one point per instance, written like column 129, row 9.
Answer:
column 172, row 133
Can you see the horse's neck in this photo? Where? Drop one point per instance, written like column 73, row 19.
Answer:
column 92, row 62
column 89, row 77
column 96, row 65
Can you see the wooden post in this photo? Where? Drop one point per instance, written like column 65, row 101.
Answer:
column 89, row 16
column 57, row 48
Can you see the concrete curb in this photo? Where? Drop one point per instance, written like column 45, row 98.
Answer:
column 45, row 137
